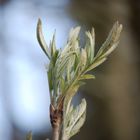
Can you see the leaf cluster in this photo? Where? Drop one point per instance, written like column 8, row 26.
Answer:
column 69, row 67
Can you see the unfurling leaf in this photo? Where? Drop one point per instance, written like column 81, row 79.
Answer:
column 53, row 46
column 87, row 76
column 74, row 120
column 90, row 45
column 73, row 35
column 78, row 125
column 108, row 46
column 111, row 42
column 41, row 39
column 83, row 59
column 95, row 64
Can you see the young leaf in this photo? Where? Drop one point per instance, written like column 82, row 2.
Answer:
column 73, row 35
column 90, row 44
column 95, row 64
column 108, row 46
column 87, row 76
column 53, row 46
column 74, row 120
column 111, row 41
column 78, row 125
column 41, row 39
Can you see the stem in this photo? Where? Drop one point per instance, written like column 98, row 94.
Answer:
column 56, row 133
column 56, row 116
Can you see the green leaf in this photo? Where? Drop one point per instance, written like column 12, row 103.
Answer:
column 53, row 45
column 83, row 58
column 72, row 90
column 110, row 50
column 74, row 120
column 87, row 76
column 111, row 42
column 62, row 64
column 73, row 35
column 50, row 81
column 62, row 84
column 55, row 57
column 77, row 113
column 90, row 44
column 95, row 64
column 78, row 125
column 41, row 39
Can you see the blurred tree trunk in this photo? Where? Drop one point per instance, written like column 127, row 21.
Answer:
column 116, row 88
column 2, row 2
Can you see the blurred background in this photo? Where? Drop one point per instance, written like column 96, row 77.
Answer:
column 113, row 98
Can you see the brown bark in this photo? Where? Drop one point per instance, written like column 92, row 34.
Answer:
column 56, row 133
column 56, row 116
